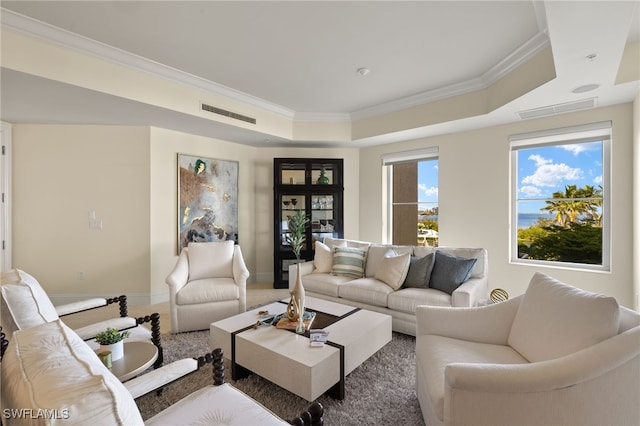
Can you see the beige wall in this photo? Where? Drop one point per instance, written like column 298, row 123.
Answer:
column 474, row 198
column 264, row 197
column 255, row 204
column 127, row 175
column 60, row 174
column 165, row 146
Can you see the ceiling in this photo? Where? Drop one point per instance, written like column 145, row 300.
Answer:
column 300, row 58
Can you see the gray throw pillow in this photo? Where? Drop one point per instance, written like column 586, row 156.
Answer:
column 419, row 271
column 450, row 271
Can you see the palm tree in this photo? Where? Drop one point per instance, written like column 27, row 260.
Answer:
column 574, row 203
column 592, row 202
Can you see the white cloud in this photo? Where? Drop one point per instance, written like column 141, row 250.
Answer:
column 574, row 149
column 530, row 191
column 598, row 180
column 549, row 174
column 579, row 148
column 428, row 191
column 539, row 160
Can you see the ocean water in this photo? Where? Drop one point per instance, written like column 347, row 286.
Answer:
column 525, row 220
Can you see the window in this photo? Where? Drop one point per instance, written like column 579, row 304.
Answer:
column 560, row 193
column 412, row 194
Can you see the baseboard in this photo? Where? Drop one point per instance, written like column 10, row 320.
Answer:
column 159, row 297
column 136, row 299
column 263, row 277
column 133, row 299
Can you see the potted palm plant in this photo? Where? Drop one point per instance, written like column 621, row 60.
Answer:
column 296, row 239
column 112, row 340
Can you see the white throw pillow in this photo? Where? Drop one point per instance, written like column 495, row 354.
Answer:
column 555, row 319
column 393, row 269
column 26, row 302
column 210, row 260
column 323, row 259
column 334, row 242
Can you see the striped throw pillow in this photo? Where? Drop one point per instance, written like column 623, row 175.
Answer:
column 348, row 262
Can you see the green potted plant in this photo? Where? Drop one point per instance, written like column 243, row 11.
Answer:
column 112, row 340
column 296, row 238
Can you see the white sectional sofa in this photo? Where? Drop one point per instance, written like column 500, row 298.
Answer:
column 556, row 355
column 389, row 281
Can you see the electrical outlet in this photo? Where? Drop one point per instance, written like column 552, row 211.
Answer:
column 81, row 275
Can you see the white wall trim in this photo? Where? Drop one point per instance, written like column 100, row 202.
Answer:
column 159, row 297
column 6, row 261
column 636, row 203
column 261, row 277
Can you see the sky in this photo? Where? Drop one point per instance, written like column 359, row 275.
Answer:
column 541, row 172
column 545, row 170
column 428, row 182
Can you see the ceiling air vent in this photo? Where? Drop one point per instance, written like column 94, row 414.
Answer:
column 229, row 114
column 558, row 108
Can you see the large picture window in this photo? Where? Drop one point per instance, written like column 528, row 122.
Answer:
column 560, row 192
column 412, row 194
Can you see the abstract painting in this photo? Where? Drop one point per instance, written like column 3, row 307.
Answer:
column 207, row 200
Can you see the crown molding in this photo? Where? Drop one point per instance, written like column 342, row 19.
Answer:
column 32, row 27
column 522, row 54
column 526, row 51
column 49, row 33
column 322, row 116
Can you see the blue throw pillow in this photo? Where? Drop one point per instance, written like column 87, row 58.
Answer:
column 450, row 271
column 419, row 271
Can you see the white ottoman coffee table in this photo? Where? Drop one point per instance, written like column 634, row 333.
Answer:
column 288, row 360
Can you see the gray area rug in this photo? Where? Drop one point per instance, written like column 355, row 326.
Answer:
column 379, row 392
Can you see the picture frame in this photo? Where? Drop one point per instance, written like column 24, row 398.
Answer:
column 207, row 200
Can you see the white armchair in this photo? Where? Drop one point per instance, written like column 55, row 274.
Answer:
column 207, row 284
column 556, row 355
column 47, row 369
column 25, row 304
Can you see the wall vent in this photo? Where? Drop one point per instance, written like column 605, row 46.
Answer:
column 229, row 114
column 558, row 108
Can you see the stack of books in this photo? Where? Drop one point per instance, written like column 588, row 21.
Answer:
column 284, row 322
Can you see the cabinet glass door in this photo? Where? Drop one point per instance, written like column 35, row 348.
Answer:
column 322, row 217
column 313, row 186
column 323, row 174
column 292, row 173
column 289, row 204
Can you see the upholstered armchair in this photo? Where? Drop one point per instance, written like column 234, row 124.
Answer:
column 25, row 304
column 557, row 355
column 208, row 283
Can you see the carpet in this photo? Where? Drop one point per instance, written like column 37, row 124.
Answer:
column 379, row 392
